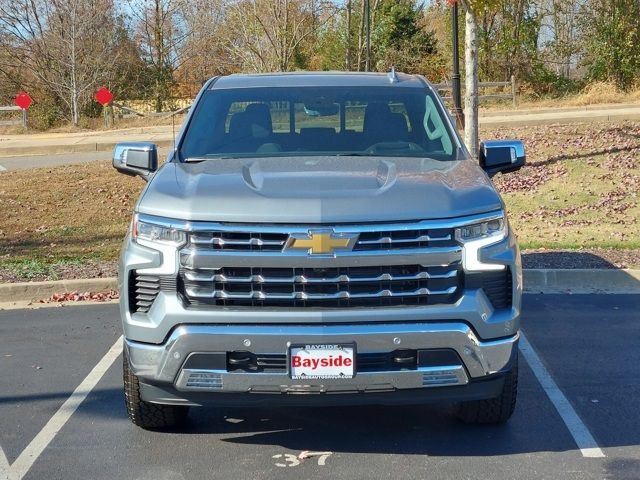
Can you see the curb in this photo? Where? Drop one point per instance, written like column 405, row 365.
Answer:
column 623, row 281
column 593, row 118
column 535, row 281
column 547, row 110
column 36, row 291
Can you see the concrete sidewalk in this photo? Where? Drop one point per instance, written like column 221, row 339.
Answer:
column 60, row 143
column 608, row 113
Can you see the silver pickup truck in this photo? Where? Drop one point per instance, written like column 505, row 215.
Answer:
column 319, row 239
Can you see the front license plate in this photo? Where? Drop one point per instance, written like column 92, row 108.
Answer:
column 322, row 361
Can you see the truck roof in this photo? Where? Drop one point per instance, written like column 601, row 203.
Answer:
column 310, row 79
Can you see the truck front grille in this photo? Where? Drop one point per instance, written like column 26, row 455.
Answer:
column 255, row 239
column 321, row 287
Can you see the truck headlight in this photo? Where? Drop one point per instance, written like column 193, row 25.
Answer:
column 478, row 235
column 151, row 232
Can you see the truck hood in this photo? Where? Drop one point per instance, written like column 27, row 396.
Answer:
column 319, row 190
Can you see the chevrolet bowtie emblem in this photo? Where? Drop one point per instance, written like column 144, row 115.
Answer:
column 322, row 242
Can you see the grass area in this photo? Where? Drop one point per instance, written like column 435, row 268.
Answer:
column 37, row 269
column 582, row 208
column 580, row 187
column 579, row 190
column 64, row 214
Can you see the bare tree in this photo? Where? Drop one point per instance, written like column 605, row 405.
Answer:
column 271, row 32
column 562, row 44
column 205, row 48
column 65, row 45
column 161, row 34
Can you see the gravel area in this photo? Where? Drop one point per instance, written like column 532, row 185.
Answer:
column 592, row 258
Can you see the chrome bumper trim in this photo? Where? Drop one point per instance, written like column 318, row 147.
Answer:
column 192, row 380
column 163, row 363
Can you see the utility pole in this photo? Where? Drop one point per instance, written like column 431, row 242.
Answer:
column 367, row 6
column 456, row 90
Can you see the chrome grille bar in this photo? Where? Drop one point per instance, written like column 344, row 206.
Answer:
column 208, row 276
column 196, row 292
column 391, row 241
column 222, row 241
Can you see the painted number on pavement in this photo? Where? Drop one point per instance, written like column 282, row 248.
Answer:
column 284, row 460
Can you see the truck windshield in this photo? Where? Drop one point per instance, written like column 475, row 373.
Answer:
column 319, row 121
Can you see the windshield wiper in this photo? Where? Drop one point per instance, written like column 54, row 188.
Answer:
column 202, row 159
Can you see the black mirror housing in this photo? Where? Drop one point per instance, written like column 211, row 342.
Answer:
column 135, row 158
column 502, row 156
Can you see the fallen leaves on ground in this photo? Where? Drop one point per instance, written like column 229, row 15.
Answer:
column 528, row 178
column 82, row 297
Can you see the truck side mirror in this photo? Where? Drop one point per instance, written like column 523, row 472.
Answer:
column 135, row 158
column 502, row 156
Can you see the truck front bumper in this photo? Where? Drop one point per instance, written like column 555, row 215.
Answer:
column 167, row 377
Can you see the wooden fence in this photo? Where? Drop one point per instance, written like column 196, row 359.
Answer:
column 14, row 118
column 511, row 87
column 130, row 112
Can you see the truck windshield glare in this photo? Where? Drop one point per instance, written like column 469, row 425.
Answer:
column 268, row 122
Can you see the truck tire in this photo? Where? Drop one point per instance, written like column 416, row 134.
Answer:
column 145, row 414
column 492, row 410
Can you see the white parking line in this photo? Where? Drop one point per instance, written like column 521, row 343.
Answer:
column 579, row 431
column 30, row 454
column 2, row 169
column 5, row 470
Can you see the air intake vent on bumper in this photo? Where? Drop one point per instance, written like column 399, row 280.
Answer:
column 143, row 290
column 497, row 286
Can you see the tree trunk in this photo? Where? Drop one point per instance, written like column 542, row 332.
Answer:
column 471, row 137
column 160, row 60
column 73, row 59
column 361, row 36
column 348, row 41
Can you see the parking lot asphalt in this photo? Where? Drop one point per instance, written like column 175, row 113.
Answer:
column 588, row 344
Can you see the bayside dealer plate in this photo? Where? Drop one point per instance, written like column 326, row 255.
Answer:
column 322, row 361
